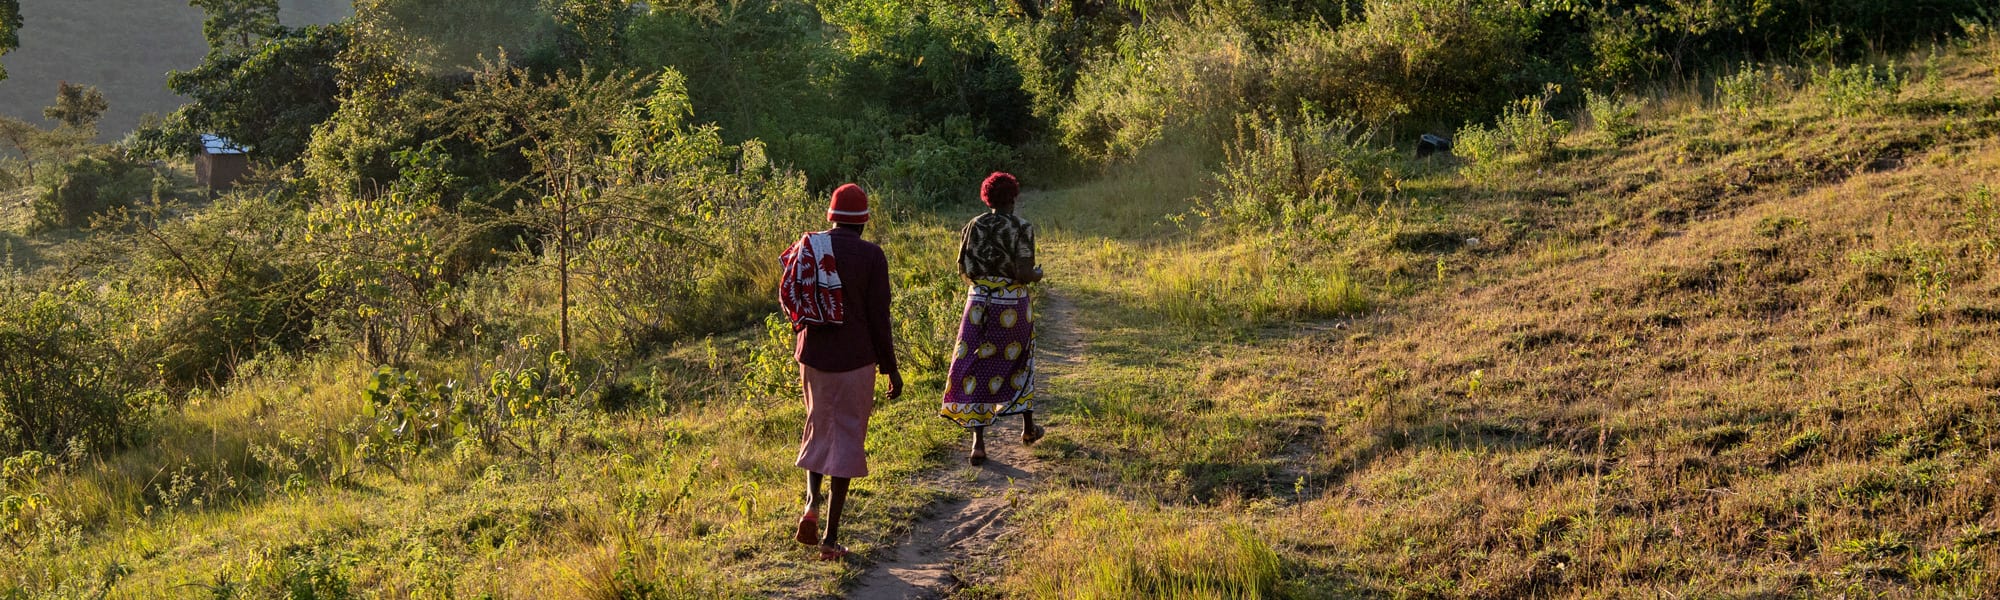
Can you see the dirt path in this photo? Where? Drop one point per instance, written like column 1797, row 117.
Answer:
column 957, row 536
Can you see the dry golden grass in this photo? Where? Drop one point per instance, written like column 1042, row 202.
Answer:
column 1738, row 357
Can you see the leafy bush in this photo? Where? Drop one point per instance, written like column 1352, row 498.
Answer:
column 89, row 185
column 60, row 387
column 1854, row 88
column 1429, row 60
column 1283, row 175
column 1525, row 131
column 941, row 165
column 219, row 285
column 1613, row 115
column 1750, row 87
column 381, row 272
column 1186, row 76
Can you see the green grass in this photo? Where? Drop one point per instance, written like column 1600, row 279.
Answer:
column 1745, row 350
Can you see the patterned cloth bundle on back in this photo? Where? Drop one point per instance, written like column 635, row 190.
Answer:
column 810, row 291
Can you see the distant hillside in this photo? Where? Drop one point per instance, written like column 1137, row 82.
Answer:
column 124, row 48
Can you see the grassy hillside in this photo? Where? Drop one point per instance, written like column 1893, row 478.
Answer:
column 1738, row 337
column 123, row 48
column 1744, row 352
column 1741, row 350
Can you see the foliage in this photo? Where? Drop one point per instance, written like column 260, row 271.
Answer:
column 77, row 106
column 1749, row 87
column 1285, row 174
column 441, row 39
column 381, row 264
column 1853, row 88
column 590, row 30
column 1613, row 115
column 237, row 26
column 1427, row 60
column 91, row 184
column 410, row 415
column 566, row 129
column 250, row 292
column 1178, row 75
column 935, row 166
column 1525, row 131
column 42, row 151
column 269, row 97
column 10, row 30
column 60, row 385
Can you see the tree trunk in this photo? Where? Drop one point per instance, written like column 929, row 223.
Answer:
column 562, row 263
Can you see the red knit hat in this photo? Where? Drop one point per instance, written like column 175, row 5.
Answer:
column 850, row 205
column 1000, row 188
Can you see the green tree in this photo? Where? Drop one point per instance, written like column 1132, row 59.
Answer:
column 238, row 26
column 10, row 30
column 590, row 29
column 597, row 145
column 269, row 99
column 77, row 106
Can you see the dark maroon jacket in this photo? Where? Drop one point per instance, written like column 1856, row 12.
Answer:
column 864, row 338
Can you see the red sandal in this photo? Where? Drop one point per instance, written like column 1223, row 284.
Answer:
column 808, row 530
column 832, row 552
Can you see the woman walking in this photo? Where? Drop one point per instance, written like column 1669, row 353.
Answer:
column 836, row 292
column 993, row 364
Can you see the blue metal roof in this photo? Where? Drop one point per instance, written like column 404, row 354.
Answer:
column 215, row 144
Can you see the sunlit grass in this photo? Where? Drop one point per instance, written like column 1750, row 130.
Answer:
column 1093, row 546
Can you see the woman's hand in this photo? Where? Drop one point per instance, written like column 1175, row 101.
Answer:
column 1027, row 272
column 895, row 385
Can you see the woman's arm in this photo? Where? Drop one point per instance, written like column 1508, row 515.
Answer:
column 1024, row 267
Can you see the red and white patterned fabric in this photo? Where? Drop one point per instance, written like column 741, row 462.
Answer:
column 810, row 291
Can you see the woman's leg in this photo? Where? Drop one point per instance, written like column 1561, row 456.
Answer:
column 978, row 444
column 812, row 493
column 829, row 541
column 1029, row 433
column 808, row 529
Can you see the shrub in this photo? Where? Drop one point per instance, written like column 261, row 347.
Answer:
column 1851, row 89
column 1525, row 131
column 1432, row 60
column 381, row 266
column 219, row 284
column 89, row 185
column 1613, row 115
column 1750, row 87
column 1284, row 175
column 60, row 388
column 938, row 166
column 1188, row 76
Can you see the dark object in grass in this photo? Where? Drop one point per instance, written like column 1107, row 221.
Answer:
column 1428, row 144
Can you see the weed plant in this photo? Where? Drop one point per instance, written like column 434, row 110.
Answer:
column 1526, row 132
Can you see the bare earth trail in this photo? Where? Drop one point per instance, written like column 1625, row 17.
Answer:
column 958, row 535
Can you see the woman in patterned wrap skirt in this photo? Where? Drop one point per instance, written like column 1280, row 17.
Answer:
column 993, row 362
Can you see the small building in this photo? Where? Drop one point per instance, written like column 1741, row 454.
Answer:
column 220, row 163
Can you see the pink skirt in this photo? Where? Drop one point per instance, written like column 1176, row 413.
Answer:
column 837, row 409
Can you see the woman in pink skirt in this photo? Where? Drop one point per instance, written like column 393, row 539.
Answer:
column 838, row 360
